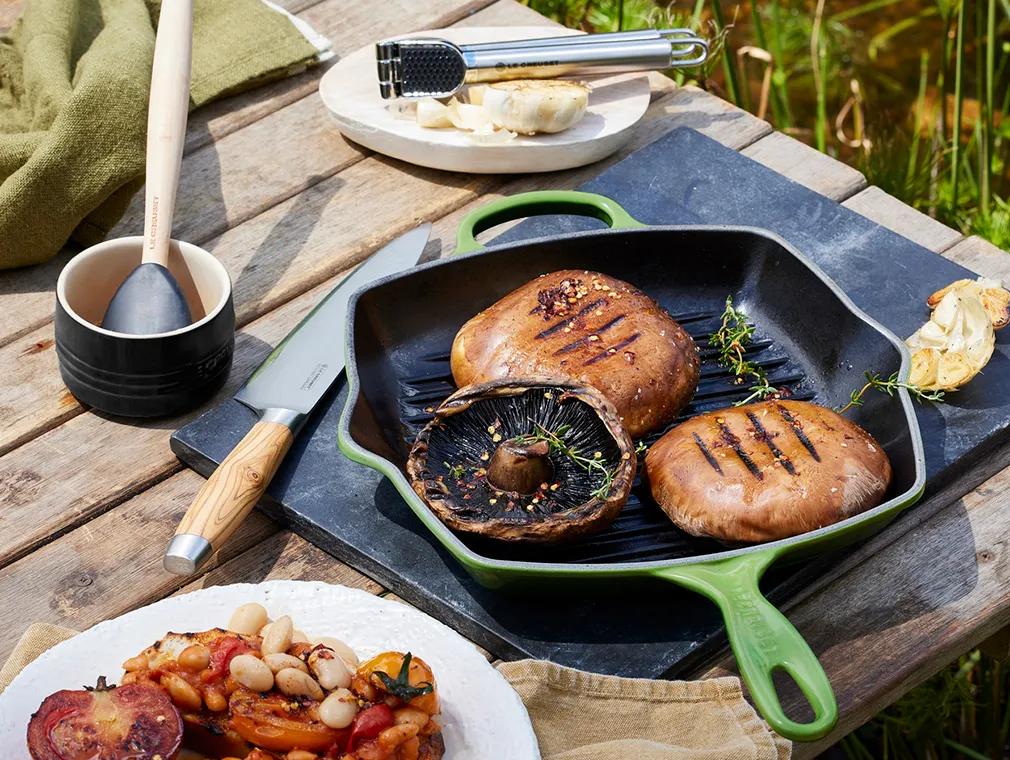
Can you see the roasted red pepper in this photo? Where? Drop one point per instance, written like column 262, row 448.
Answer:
column 222, row 652
column 369, row 723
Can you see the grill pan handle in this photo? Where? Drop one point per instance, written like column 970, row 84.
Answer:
column 540, row 203
column 763, row 641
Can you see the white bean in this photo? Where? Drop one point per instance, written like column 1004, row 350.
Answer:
column 338, row 709
column 329, row 669
column 278, row 636
column 251, row 672
column 346, row 653
column 248, row 619
column 279, row 660
column 296, row 683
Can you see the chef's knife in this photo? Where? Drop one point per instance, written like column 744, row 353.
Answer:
column 283, row 391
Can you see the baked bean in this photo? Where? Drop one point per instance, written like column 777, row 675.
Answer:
column 251, row 672
column 301, row 754
column 215, row 700
column 278, row 636
column 411, row 715
column 296, row 683
column 329, row 669
column 182, row 694
column 195, row 657
column 279, row 660
column 338, row 709
column 346, row 653
column 248, row 619
column 135, row 663
column 394, row 736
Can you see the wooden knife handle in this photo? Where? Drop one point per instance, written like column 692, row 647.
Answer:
column 237, row 484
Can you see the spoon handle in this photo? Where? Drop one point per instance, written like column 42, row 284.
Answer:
column 166, row 124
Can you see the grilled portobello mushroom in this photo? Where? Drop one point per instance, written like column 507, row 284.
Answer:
column 766, row 471
column 537, row 460
column 592, row 328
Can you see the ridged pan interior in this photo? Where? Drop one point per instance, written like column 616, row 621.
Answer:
column 806, row 339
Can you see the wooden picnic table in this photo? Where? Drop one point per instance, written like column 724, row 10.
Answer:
column 88, row 502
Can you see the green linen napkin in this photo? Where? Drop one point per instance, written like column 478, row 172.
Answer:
column 74, row 83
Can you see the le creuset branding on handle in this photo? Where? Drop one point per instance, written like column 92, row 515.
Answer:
column 143, row 375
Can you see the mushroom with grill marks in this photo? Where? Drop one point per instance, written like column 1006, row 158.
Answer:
column 766, row 471
column 536, row 460
column 594, row 329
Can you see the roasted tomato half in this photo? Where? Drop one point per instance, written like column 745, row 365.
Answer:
column 383, row 675
column 106, row 723
column 280, row 723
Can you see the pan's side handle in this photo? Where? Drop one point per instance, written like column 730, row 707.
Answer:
column 539, row 203
column 763, row 641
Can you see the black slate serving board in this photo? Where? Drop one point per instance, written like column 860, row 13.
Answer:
column 652, row 630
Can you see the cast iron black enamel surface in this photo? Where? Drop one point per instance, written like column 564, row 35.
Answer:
column 682, row 178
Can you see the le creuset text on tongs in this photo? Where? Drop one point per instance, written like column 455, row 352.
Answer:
column 437, row 68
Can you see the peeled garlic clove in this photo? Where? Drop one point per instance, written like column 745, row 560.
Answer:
column 532, row 106
column 955, row 344
column 475, row 94
column 954, row 370
column 994, row 297
column 466, row 116
column 488, row 135
column 432, row 114
column 925, row 362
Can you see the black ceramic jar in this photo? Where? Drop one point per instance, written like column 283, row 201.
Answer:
column 143, row 375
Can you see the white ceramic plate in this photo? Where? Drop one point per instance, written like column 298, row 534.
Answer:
column 350, row 91
column 482, row 716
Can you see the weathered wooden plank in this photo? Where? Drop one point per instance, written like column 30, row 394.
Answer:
column 888, row 211
column 109, row 566
column 282, row 556
column 295, row 245
column 349, row 25
column 241, row 175
column 981, row 256
column 92, row 463
column 811, row 168
column 246, row 172
column 903, row 612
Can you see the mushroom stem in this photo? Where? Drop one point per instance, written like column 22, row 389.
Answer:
column 520, row 468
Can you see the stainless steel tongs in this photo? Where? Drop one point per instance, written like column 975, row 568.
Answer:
column 437, row 68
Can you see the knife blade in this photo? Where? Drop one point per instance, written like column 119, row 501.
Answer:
column 283, row 391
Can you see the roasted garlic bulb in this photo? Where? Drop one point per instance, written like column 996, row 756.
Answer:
column 959, row 338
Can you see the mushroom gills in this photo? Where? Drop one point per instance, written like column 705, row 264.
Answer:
column 524, row 461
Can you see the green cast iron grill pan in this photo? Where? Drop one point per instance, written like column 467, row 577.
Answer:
column 810, row 337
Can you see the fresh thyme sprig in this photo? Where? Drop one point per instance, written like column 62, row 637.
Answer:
column 556, row 443
column 731, row 341
column 888, row 386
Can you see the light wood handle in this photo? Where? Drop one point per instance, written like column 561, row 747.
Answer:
column 166, row 124
column 237, row 484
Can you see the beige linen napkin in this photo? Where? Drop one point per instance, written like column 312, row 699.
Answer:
column 585, row 716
